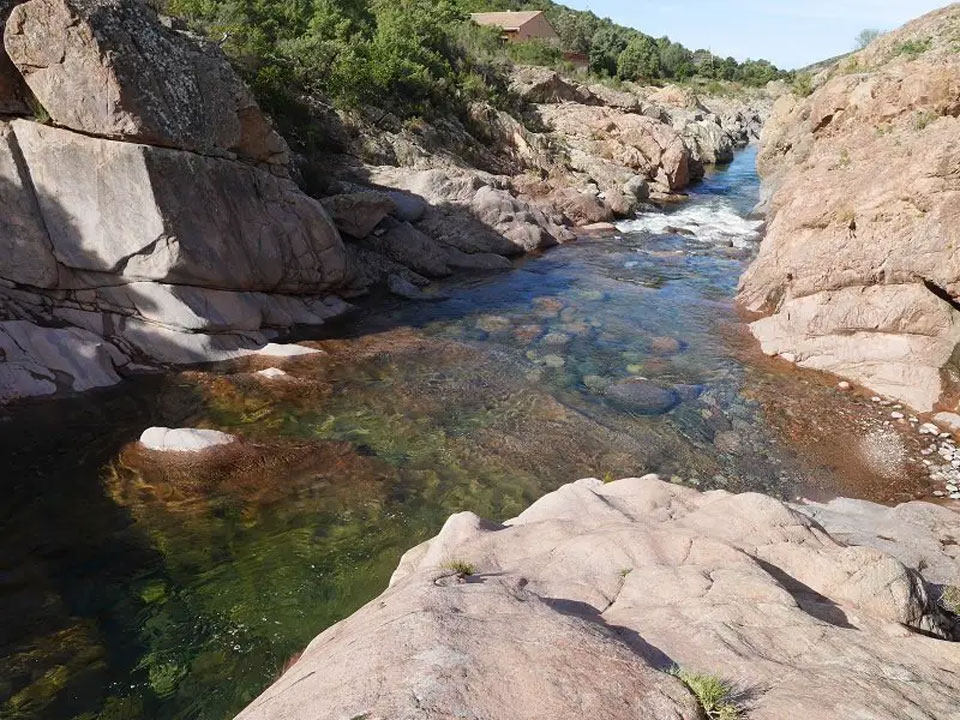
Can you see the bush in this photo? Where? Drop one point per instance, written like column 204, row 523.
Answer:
column 802, row 85
column 912, row 48
column 715, row 696
column 535, row 52
column 420, row 57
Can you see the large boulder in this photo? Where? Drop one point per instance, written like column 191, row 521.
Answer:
column 357, row 214
column 859, row 268
column 596, row 591
column 542, row 85
column 111, row 68
column 13, row 92
column 120, row 208
column 635, row 144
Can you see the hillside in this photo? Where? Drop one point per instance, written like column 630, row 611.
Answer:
column 425, row 58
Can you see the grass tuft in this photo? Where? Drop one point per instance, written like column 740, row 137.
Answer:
column 461, row 567
column 715, row 696
column 950, row 599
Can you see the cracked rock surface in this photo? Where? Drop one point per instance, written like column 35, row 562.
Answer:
column 574, row 609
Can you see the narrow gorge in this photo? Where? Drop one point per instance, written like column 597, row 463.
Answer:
column 578, row 397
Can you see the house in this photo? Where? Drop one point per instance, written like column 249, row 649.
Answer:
column 519, row 26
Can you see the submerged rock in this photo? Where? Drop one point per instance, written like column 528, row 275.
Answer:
column 643, row 396
column 596, row 590
column 272, row 373
column 164, row 439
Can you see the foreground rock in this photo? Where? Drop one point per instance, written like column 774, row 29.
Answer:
column 596, row 588
column 858, row 270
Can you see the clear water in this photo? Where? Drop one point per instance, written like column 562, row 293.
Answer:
column 132, row 588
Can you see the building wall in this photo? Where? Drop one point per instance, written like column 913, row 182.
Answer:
column 537, row 28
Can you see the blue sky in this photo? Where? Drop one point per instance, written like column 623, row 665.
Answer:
column 790, row 33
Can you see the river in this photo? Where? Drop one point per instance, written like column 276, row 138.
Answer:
column 136, row 589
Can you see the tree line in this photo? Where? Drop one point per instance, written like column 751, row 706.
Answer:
column 425, row 57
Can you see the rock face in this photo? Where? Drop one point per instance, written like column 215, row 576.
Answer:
column 156, row 223
column 108, row 68
column 119, row 208
column 627, row 140
column 596, row 589
column 858, row 270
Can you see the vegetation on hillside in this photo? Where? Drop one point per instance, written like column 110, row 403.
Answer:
column 424, row 57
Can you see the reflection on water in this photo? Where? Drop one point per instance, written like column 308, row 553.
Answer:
column 131, row 588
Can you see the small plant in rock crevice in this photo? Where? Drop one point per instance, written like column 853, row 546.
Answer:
column 923, row 119
column 715, row 696
column 461, row 568
column 950, row 599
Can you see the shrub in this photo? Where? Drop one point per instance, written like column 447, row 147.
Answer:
column 715, row 696
column 912, row 48
column 802, row 85
column 950, row 599
column 535, row 52
column 924, row 118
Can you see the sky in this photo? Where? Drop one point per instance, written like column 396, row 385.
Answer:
column 789, row 33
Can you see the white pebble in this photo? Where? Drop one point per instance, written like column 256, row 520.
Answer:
column 843, row 385
column 875, row 399
column 955, row 496
column 938, row 493
column 897, row 415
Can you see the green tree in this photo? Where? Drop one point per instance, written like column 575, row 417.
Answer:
column 728, row 68
column 676, row 61
column 576, row 29
column 758, row 72
column 866, row 37
column 640, row 59
column 605, row 48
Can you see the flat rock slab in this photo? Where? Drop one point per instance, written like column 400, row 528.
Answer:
column 164, row 439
